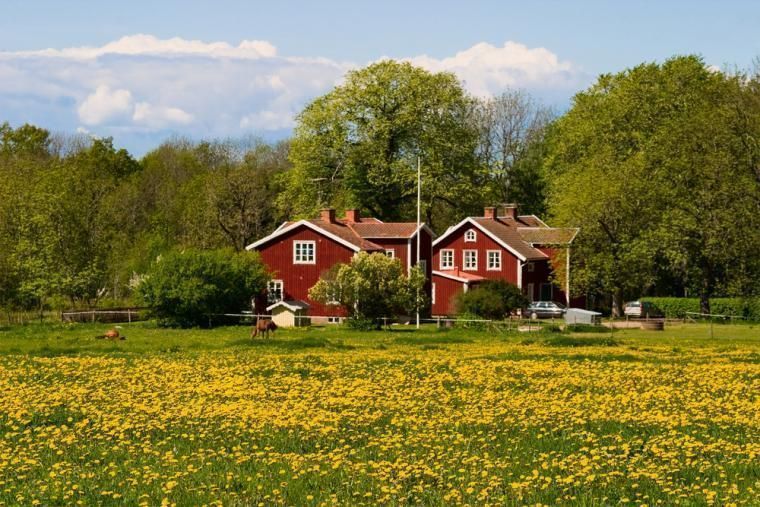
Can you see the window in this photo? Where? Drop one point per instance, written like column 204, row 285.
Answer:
column 274, row 291
column 447, row 259
column 333, row 320
column 530, row 267
column 390, row 253
column 304, row 252
column 494, row 260
column 470, row 236
column 470, row 260
column 432, row 293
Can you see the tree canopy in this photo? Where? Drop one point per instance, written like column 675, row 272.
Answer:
column 658, row 166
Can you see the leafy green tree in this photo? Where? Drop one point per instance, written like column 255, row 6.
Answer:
column 372, row 286
column 184, row 287
column 511, row 130
column 654, row 165
column 493, row 299
column 358, row 146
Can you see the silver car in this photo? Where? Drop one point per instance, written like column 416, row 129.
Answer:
column 545, row 310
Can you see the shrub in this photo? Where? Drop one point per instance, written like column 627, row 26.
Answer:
column 493, row 299
column 372, row 286
column 678, row 307
column 183, row 288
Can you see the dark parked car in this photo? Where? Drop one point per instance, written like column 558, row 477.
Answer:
column 545, row 310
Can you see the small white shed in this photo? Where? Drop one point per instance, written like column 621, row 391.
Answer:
column 579, row 316
column 290, row 313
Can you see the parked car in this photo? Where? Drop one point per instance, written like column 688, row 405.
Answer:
column 545, row 310
column 640, row 309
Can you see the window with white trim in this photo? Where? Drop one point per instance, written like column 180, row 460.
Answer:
column 447, row 259
column 470, row 260
column 304, row 252
column 494, row 260
column 432, row 293
column 275, row 291
column 390, row 253
column 470, row 236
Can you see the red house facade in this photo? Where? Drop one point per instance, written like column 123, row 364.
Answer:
column 505, row 246
column 298, row 253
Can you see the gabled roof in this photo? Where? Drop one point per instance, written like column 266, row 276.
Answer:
column 293, row 306
column 547, row 235
column 355, row 235
column 518, row 235
column 378, row 230
column 459, row 275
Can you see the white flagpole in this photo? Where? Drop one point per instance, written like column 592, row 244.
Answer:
column 419, row 235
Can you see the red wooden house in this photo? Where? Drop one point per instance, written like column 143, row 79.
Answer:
column 498, row 246
column 298, row 253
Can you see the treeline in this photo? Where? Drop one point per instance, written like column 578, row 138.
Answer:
column 658, row 165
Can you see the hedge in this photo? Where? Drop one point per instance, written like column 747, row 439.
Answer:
column 748, row 308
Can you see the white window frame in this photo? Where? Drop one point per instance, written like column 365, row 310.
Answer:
column 270, row 300
column 489, row 267
column 297, row 244
column 443, row 265
column 432, row 293
column 390, row 252
column 474, row 267
column 470, row 236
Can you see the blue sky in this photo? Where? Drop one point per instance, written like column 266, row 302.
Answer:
column 143, row 71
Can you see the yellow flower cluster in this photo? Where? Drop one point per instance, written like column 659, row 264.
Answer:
column 485, row 423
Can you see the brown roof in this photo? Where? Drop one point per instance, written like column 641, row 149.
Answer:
column 361, row 233
column 547, row 235
column 385, row 230
column 506, row 230
column 458, row 273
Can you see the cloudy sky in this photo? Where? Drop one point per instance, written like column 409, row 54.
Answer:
column 143, row 71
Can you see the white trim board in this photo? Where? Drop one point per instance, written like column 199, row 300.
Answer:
column 284, row 230
column 470, row 220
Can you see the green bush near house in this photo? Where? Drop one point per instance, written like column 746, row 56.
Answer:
column 184, row 287
column 494, row 299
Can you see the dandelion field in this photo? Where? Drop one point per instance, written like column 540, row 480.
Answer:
column 324, row 417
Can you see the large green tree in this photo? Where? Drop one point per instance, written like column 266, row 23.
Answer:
column 657, row 165
column 358, row 146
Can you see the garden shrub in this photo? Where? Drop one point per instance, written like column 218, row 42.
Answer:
column 586, row 328
column 182, row 288
column 493, row 299
column 748, row 308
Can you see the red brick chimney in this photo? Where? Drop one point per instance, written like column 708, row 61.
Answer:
column 489, row 212
column 510, row 211
column 352, row 215
column 327, row 215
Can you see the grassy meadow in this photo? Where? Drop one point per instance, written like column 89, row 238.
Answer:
column 331, row 416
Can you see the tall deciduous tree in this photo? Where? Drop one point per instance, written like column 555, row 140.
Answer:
column 358, row 146
column 655, row 166
column 511, row 129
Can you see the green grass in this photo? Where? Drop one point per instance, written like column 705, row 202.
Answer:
column 398, row 417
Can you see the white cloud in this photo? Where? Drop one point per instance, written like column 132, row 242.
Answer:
column 148, row 87
column 487, row 70
column 160, row 116
column 104, row 104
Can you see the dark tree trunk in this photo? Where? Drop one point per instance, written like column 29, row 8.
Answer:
column 617, row 303
column 705, row 291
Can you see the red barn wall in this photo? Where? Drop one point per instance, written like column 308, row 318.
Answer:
column 482, row 244
column 299, row 278
column 446, row 291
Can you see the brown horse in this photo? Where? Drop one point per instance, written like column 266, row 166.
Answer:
column 263, row 327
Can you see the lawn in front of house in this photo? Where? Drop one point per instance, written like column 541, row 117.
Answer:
column 334, row 416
